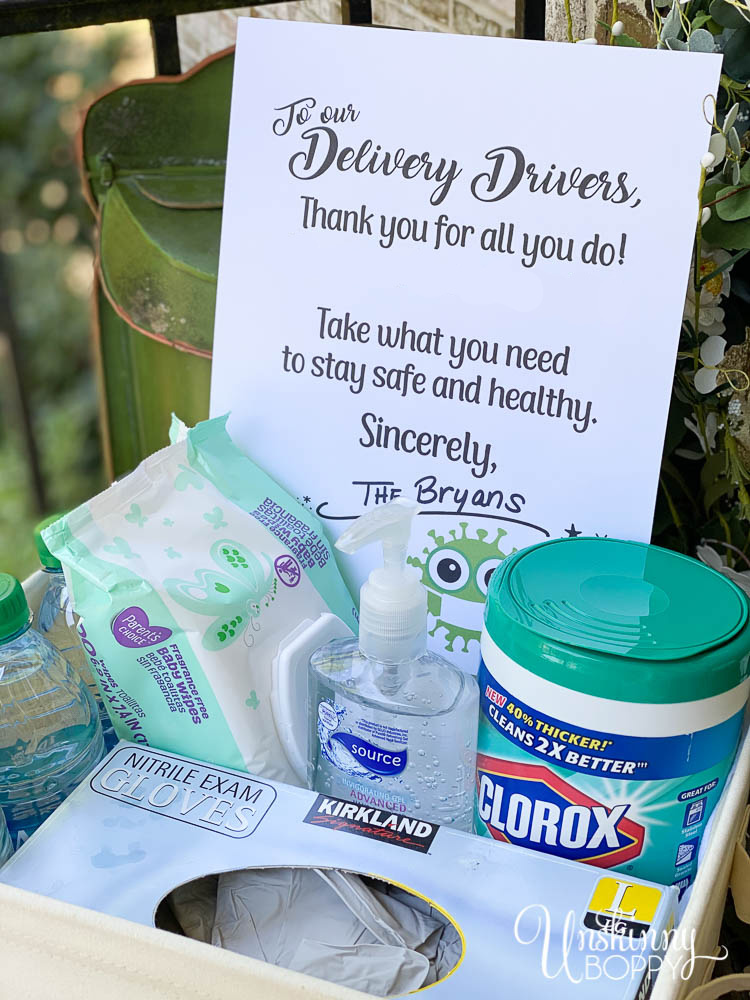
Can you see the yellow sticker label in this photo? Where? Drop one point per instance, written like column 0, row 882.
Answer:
column 625, row 900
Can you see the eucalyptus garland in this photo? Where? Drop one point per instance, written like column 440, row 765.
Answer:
column 703, row 505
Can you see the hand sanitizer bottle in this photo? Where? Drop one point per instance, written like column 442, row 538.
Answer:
column 392, row 726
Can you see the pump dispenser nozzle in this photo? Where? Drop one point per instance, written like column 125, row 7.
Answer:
column 393, row 602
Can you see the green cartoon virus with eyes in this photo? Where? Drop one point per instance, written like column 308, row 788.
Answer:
column 458, row 569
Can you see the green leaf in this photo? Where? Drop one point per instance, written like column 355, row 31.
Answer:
column 668, row 468
column 711, row 189
column 701, row 40
column 737, row 54
column 719, row 232
column 626, row 40
column 663, row 521
column 704, row 20
column 700, row 20
column 726, row 15
column 718, row 146
column 675, row 432
column 672, row 26
column 713, row 469
column 730, row 235
column 718, row 489
column 736, row 204
column 682, row 395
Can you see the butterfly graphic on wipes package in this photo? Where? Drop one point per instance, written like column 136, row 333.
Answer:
column 136, row 515
column 233, row 594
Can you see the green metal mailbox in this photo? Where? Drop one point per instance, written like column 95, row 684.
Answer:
column 153, row 157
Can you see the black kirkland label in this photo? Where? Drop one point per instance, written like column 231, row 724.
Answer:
column 377, row 824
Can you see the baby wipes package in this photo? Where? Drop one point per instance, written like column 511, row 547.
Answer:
column 188, row 575
column 364, row 896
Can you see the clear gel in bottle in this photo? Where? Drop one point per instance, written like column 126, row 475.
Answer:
column 392, row 725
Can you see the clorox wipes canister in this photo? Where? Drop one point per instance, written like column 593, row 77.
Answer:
column 613, row 681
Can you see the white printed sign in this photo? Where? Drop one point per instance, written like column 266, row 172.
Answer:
column 454, row 268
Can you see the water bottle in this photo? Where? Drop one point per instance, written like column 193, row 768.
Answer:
column 6, row 848
column 57, row 622
column 50, row 736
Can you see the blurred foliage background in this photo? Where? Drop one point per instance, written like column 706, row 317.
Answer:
column 46, row 270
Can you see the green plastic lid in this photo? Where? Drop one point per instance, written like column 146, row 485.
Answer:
column 45, row 556
column 14, row 608
column 620, row 620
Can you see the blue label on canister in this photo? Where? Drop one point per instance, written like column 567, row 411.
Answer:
column 637, row 804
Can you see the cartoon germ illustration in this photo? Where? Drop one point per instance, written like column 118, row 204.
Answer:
column 458, row 569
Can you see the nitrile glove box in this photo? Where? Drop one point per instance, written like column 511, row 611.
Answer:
column 146, row 822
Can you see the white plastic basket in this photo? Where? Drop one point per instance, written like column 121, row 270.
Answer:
column 724, row 864
column 51, row 948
